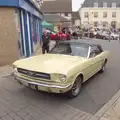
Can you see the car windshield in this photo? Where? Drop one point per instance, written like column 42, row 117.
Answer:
column 71, row 49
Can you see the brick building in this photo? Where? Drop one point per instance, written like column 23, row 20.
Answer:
column 58, row 12
column 20, row 29
column 61, row 7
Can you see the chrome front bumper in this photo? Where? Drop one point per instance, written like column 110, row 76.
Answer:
column 44, row 87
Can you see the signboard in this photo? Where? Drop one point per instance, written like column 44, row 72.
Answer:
column 37, row 3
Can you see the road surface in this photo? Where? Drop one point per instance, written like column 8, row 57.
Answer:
column 96, row 92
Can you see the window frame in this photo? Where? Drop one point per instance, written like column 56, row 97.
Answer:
column 113, row 15
column 86, row 15
column 105, row 23
column 114, row 5
column 89, row 55
column 95, row 15
column 95, row 5
column 105, row 14
column 96, row 23
column 105, row 4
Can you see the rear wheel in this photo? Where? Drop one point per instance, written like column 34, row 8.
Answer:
column 76, row 89
column 103, row 67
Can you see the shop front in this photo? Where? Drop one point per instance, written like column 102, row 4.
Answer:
column 20, row 31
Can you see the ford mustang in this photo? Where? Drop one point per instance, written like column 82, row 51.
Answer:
column 64, row 69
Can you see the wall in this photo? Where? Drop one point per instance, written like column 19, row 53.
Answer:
column 100, row 11
column 8, row 38
column 77, row 22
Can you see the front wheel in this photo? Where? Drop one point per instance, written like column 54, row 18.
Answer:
column 76, row 88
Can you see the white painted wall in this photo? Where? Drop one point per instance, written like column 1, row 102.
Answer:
column 100, row 18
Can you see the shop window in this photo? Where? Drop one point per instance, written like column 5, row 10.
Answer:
column 36, row 35
column 18, row 31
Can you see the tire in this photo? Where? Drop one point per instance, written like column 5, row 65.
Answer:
column 76, row 89
column 103, row 67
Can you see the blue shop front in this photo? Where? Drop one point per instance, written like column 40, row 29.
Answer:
column 28, row 18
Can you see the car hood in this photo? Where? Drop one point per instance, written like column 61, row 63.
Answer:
column 49, row 63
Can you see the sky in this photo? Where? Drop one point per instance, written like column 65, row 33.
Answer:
column 76, row 4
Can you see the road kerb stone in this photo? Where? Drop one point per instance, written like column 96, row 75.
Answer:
column 108, row 105
column 94, row 118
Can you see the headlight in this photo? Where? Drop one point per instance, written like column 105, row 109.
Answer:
column 62, row 78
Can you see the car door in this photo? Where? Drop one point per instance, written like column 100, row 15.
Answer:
column 95, row 59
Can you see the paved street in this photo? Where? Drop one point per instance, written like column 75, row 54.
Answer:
column 25, row 104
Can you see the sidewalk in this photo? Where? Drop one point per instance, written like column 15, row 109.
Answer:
column 5, row 70
column 32, row 108
column 110, row 111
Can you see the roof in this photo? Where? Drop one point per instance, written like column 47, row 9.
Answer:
column 23, row 4
column 89, row 3
column 57, row 6
column 75, row 15
column 55, row 18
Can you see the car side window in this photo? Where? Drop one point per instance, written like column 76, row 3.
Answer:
column 95, row 50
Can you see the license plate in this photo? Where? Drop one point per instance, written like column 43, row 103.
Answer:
column 33, row 86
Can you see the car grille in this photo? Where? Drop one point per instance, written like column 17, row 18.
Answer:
column 34, row 74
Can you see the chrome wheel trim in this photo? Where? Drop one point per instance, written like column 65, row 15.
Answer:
column 76, row 87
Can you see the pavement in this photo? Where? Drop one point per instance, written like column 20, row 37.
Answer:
column 21, row 103
column 99, row 100
column 111, row 110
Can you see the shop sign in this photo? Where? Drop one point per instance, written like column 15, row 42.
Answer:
column 36, row 2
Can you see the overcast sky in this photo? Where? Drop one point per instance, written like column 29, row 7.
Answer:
column 76, row 4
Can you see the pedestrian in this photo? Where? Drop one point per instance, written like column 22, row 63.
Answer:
column 46, row 40
column 119, row 37
column 109, row 36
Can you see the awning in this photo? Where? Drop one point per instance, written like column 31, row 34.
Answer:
column 47, row 25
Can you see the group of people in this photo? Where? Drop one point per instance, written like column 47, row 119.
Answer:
column 46, row 37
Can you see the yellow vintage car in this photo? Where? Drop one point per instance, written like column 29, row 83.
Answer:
column 63, row 70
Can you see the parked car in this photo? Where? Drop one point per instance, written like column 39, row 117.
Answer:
column 53, row 36
column 105, row 35
column 99, row 35
column 71, row 65
column 60, row 36
column 114, row 36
